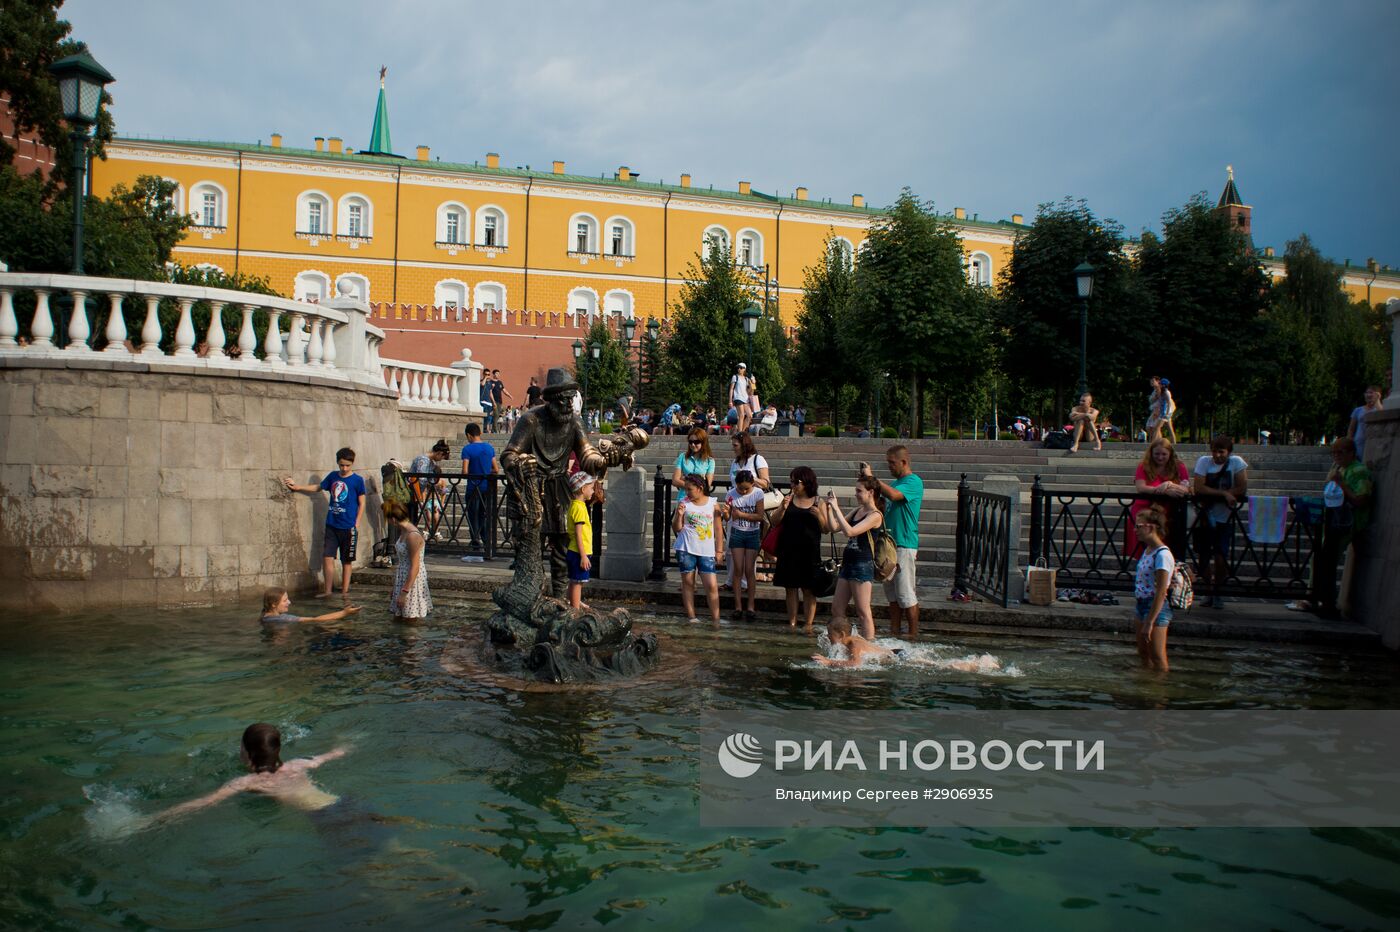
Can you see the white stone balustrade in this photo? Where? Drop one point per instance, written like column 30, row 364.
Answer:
column 428, row 388
column 330, row 340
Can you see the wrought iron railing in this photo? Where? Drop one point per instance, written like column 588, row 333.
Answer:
column 664, row 509
column 983, row 557
column 1084, row 537
column 466, row 514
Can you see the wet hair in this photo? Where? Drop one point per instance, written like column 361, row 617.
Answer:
column 1344, row 445
column 345, row 453
column 1222, row 442
column 441, row 447
column 1171, row 470
column 271, row 596
column 899, row 450
column 807, row 477
column 746, row 446
column 696, row 480
column 871, row 484
column 1156, row 517
column 263, row 745
column 839, row 627
column 743, row 476
column 699, row 433
column 473, row 429
column 396, row 511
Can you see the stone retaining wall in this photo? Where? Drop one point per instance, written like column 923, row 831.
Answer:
column 143, row 488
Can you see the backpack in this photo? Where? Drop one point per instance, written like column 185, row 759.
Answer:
column 395, row 486
column 1181, row 591
column 886, row 555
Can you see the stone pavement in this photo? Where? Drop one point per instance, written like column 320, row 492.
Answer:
column 1240, row 622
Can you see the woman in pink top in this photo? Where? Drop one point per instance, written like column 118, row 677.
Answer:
column 1162, row 472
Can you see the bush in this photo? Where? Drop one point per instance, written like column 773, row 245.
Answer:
column 953, row 435
column 889, row 433
column 826, row 430
column 1006, row 435
column 605, row 428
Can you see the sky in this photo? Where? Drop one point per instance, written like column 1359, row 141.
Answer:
column 996, row 107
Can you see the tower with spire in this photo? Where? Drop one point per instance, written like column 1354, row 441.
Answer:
column 379, row 142
column 1234, row 207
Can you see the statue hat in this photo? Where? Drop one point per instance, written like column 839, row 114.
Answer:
column 557, row 382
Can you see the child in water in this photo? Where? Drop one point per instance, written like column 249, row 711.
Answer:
column 276, row 605
column 289, row 783
column 858, row 649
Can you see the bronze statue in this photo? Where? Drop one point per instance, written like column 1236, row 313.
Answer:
column 531, row 630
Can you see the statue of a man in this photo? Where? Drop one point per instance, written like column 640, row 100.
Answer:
column 543, row 439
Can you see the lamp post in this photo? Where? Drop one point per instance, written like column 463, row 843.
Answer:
column 653, row 334
column 582, row 372
column 80, row 83
column 879, row 383
column 629, row 329
column 1084, row 282
column 595, row 350
column 750, row 316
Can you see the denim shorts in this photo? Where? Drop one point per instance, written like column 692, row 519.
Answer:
column 858, row 570
column 689, row 562
column 1144, row 609
column 576, row 571
column 744, row 540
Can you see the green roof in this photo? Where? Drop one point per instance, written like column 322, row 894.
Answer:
column 378, row 158
column 379, row 143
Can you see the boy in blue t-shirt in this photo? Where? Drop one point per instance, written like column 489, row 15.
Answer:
column 347, row 500
column 478, row 459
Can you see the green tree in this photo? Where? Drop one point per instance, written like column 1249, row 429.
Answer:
column 912, row 304
column 609, row 376
column 1039, row 309
column 32, row 38
column 1206, row 294
column 819, row 364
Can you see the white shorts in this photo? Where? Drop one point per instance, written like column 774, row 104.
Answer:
column 899, row 588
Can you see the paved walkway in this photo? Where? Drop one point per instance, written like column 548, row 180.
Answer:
column 1239, row 621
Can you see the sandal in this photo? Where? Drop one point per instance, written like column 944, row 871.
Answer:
column 1300, row 606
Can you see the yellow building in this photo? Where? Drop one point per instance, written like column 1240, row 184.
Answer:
column 428, row 232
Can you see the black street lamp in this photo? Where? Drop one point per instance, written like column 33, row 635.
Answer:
column 750, row 316
column 80, row 83
column 1084, row 282
column 629, row 329
column 879, row 383
column 578, row 364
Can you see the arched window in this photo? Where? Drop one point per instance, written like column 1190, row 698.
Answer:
column 450, row 293
column 618, row 237
column 979, row 269
column 618, row 302
column 208, row 267
column 356, row 216
column 312, row 286
column 314, row 214
column 583, row 234
column 750, row 250
column 207, row 204
column 453, row 223
column 491, row 227
column 843, row 251
column 716, row 237
column 584, row 302
column 491, row 296
column 177, row 196
column 353, row 286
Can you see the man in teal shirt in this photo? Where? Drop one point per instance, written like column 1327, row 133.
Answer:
column 904, row 494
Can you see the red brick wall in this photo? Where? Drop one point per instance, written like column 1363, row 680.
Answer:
column 30, row 155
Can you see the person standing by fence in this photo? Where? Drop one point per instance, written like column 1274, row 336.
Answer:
column 1161, row 408
column 694, row 460
column 1221, row 476
column 1347, row 497
column 1162, row 472
column 858, row 559
column 1151, row 588
column 803, row 519
column 904, row 495
column 1356, row 430
column 478, row 460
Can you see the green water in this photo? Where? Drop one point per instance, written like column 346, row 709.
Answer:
column 579, row 809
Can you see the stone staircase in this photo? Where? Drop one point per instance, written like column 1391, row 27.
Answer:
column 941, row 464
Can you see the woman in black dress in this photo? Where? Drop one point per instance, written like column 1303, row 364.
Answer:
column 804, row 520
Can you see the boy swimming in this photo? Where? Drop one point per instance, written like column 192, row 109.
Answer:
column 858, row 649
column 277, row 604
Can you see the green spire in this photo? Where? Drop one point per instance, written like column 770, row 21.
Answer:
column 379, row 143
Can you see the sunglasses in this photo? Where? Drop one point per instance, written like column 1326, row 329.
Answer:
column 696, row 443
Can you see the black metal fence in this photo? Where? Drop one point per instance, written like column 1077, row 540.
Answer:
column 983, row 556
column 1084, row 537
column 467, row 514
column 663, row 510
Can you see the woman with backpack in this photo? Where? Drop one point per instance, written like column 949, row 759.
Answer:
column 1152, row 586
column 862, row 530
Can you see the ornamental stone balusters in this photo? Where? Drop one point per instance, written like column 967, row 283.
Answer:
column 116, row 326
column 78, row 329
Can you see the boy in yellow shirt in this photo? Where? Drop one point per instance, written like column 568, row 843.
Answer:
column 580, row 537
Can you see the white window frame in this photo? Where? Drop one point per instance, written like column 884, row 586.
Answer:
column 303, row 219
column 583, row 300
column 618, row 302
column 366, row 215
column 196, row 202
column 490, row 294
column 848, row 250
column 715, row 230
column 984, row 276
column 590, row 223
column 629, row 236
column 464, row 224
column 461, row 293
column 755, row 260
column 502, row 221
column 305, row 277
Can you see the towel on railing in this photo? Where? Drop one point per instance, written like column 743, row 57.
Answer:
column 1268, row 518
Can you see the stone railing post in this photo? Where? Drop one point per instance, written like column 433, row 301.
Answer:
column 1015, row 575
column 1392, row 307
column 352, row 349
column 470, row 385
column 628, row 506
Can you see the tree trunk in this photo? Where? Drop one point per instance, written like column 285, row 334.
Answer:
column 835, row 408
column 917, row 407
